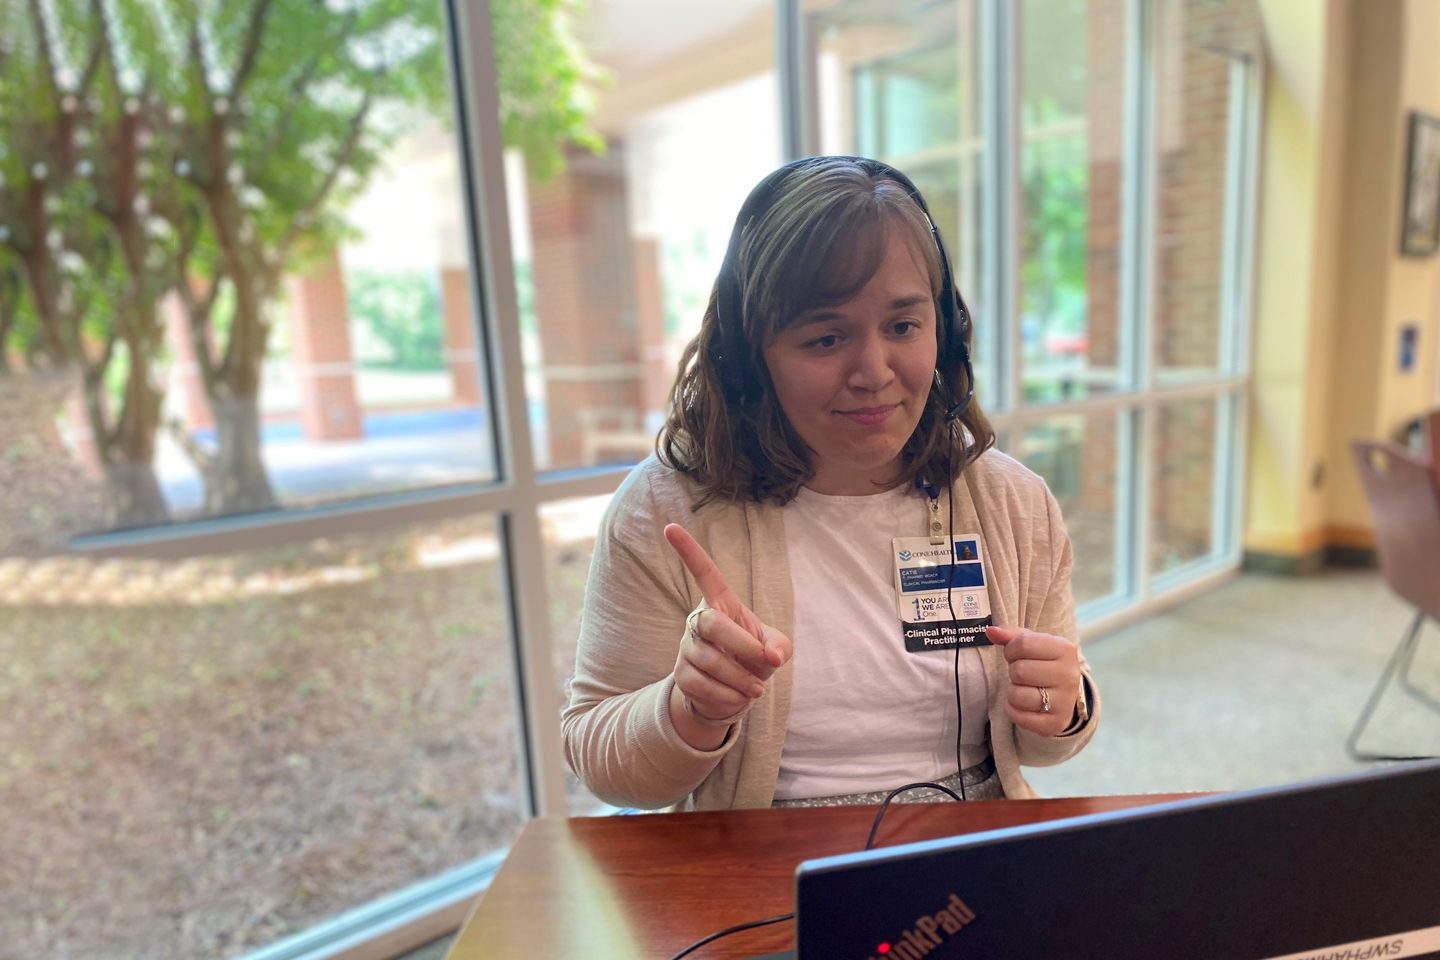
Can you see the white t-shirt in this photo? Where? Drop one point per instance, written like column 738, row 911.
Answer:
column 865, row 714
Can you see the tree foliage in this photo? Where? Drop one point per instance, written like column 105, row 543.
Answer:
column 208, row 148
column 544, row 81
column 400, row 309
column 1055, row 243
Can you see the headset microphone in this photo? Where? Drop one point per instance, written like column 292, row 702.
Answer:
column 954, row 412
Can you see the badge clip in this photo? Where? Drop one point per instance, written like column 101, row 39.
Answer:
column 936, row 527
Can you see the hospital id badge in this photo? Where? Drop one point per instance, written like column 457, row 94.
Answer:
column 924, row 573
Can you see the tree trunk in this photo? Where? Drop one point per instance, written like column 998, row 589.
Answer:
column 235, row 480
column 133, row 497
column 5, row 323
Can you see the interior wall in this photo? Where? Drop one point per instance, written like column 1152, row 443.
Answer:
column 1304, row 98
column 1334, row 292
column 1373, row 159
column 1399, row 71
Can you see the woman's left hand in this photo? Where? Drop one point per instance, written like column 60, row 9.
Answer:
column 1039, row 661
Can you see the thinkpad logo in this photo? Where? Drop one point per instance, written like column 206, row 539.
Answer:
column 930, row 932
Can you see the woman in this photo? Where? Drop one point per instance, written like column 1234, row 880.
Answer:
column 812, row 429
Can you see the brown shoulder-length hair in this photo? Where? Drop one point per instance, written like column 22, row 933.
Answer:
column 819, row 243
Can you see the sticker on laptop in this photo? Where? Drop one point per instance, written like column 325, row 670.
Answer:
column 1415, row 943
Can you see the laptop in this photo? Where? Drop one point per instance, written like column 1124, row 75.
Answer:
column 1340, row 869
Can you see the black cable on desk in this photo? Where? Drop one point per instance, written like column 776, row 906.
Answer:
column 885, row 804
column 729, row 930
column 869, row 843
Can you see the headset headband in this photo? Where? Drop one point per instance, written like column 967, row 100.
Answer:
column 739, row 379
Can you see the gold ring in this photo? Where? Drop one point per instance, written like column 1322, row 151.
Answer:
column 1044, row 699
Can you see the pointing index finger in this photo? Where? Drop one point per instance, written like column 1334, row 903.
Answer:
column 712, row 583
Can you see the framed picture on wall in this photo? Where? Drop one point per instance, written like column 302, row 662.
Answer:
column 1420, row 231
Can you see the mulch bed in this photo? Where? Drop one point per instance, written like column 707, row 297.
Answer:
column 44, row 497
column 200, row 757
column 201, row 776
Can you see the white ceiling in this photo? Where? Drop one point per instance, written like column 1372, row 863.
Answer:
column 630, row 35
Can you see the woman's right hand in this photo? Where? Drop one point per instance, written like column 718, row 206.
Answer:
column 724, row 662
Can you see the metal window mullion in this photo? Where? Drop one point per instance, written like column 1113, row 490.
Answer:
column 1234, row 519
column 968, row 152
column 1232, row 216
column 999, row 63
column 1253, row 105
column 537, row 696
column 1234, row 252
column 1126, row 582
column 1249, row 214
column 1142, row 489
column 1136, row 249
column 1136, row 271
column 797, row 76
column 1222, row 492
column 1167, row 594
column 280, row 528
column 1101, row 403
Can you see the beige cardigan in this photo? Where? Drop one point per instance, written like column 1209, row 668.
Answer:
column 617, row 729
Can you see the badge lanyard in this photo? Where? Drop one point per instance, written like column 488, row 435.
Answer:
column 941, row 589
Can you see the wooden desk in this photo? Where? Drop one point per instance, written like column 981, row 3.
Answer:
column 641, row 887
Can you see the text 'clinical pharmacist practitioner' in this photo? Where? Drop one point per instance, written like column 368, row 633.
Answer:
column 788, row 605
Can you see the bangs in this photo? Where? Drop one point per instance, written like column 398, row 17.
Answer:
column 822, row 247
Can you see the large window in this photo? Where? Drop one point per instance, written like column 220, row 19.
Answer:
column 327, row 331
column 1090, row 164
column 236, row 297
column 617, row 249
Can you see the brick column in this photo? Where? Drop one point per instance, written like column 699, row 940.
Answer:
column 650, row 324
column 462, row 354
column 585, row 300
column 324, row 364
column 1106, row 147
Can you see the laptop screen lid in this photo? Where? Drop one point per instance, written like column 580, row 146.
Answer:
column 1342, row 868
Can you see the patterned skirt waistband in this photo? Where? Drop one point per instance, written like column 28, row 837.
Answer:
column 980, row 781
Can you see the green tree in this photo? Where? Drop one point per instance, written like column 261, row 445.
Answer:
column 151, row 146
column 75, row 178
column 401, row 309
column 544, row 82
column 13, row 329
column 1055, row 242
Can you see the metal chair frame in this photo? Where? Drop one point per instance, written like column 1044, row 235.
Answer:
column 1400, row 662
column 1407, row 524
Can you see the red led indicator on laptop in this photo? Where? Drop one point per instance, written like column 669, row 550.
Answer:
column 884, row 948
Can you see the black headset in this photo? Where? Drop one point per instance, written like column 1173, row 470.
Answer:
column 737, row 375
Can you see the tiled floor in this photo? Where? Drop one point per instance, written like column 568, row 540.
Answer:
column 1256, row 683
